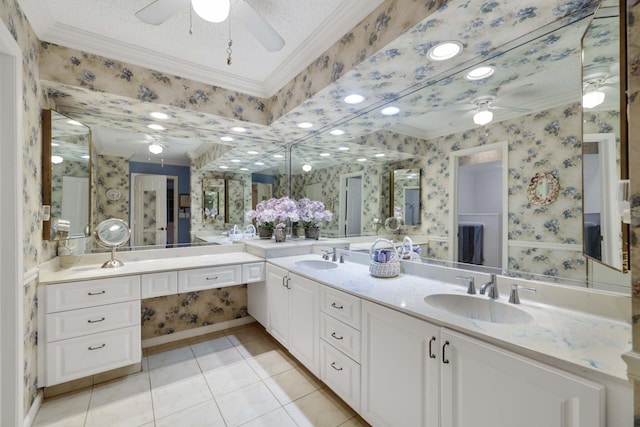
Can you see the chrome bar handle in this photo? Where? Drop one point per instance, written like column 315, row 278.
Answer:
column 97, row 348
column 444, row 348
column 287, row 285
column 431, row 355
column 95, row 321
column 96, row 293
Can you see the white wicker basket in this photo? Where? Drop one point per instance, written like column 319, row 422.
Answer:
column 391, row 268
column 407, row 252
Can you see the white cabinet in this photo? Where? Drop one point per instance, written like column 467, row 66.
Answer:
column 253, row 272
column 293, row 314
column 450, row 380
column 209, row 278
column 158, row 284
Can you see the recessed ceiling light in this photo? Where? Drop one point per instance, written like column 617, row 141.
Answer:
column 343, row 148
column 238, row 129
column 278, row 156
column 445, row 50
column 158, row 115
column 354, row 98
column 337, row 132
column 362, row 160
column 244, row 169
column 305, row 125
column 155, row 126
column 235, row 161
column 226, row 138
column 390, row 111
column 380, row 155
column 306, row 167
column 324, row 154
column 56, row 160
column 155, row 148
column 74, row 122
column 224, row 167
column 55, row 144
column 252, row 152
column 480, row 73
column 86, row 156
column 259, row 163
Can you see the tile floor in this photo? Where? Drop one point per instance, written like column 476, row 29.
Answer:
column 238, row 377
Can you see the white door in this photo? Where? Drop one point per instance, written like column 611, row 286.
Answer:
column 278, row 301
column 150, row 210
column 353, row 206
column 304, row 322
column 486, row 386
column 75, row 199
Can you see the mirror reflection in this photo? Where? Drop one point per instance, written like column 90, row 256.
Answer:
column 213, row 194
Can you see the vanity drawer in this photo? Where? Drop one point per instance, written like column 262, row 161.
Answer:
column 85, row 321
column 158, row 284
column 340, row 305
column 209, row 278
column 341, row 336
column 253, row 272
column 80, row 357
column 90, row 293
column 341, row 374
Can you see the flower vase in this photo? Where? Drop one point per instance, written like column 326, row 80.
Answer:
column 295, row 230
column 281, row 234
column 265, row 232
column 312, row 233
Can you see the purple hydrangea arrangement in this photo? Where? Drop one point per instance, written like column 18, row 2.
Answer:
column 312, row 213
column 272, row 211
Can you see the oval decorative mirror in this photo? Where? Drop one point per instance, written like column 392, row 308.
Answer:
column 543, row 188
column 111, row 233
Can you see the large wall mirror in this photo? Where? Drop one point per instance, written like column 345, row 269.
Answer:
column 66, row 168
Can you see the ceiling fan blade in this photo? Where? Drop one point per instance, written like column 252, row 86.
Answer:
column 516, row 109
column 463, row 119
column 456, row 107
column 160, row 10
column 256, row 25
column 511, row 90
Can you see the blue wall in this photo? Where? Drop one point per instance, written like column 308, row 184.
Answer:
column 184, row 182
column 262, row 178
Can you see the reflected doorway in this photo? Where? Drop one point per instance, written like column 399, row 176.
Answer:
column 350, row 222
column 154, row 205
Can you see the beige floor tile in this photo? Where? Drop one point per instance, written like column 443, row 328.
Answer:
column 246, row 404
column 257, row 347
column 175, row 372
column 68, row 387
column 272, row 363
column 319, row 409
column 170, row 357
column 69, row 410
column 206, row 337
column 178, row 395
column 203, row 415
column 211, row 345
column 277, row 418
column 219, row 359
column 163, row 348
column 231, row 377
column 246, row 333
column 356, row 422
column 292, row 384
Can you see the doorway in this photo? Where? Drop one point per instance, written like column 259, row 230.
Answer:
column 153, row 208
column 350, row 221
column 478, row 215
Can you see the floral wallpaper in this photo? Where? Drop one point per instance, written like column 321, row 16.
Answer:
column 67, row 168
column 111, row 172
column 176, row 313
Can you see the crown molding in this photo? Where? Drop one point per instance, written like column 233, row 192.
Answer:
column 39, row 14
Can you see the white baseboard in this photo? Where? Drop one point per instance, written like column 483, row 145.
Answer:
column 164, row 339
column 33, row 411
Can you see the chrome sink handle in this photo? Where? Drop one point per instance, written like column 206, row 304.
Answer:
column 513, row 295
column 471, row 286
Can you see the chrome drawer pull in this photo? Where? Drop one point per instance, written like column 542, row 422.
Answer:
column 212, row 278
column 95, row 321
column 431, row 355
column 333, row 365
column 333, row 334
column 97, row 348
column 333, row 304
column 96, row 293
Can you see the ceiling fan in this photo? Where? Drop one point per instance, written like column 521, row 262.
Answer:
column 159, row 11
column 597, row 82
column 156, row 143
column 479, row 109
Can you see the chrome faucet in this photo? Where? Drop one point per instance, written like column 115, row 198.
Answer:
column 513, row 296
column 471, row 287
column 325, row 255
column 492, row 285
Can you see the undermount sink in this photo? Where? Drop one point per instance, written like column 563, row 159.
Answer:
column 316, row 264
column 479, row 308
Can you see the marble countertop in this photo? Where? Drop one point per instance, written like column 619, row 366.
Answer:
column 575, row 341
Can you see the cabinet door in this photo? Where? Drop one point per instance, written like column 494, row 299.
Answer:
column 486, row 386
column 278, row 302
column 304, row 321
column 400, row 384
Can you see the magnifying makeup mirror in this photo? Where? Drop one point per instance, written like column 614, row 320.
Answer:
column 111, row 233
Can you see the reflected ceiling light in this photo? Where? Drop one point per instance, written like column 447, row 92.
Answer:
column 306, row 167
column 482, row 116
column 343, row 148
column 480, row 73
column 158, row 115
column 56, row 160
column 252, row 152
column 155, row 126
column 362, row 159
column 226, row 138
column 86, row 156
column 380, row 155
column 212, row 10
column 74, row 122
column 224, row 167
column 390, row 111
column 259, row 163
column 592, row 98
column 445, row 50
column 238, row 129
column 305, row 125
column 244, row 169
column 155, row 148
column 55, row 144
column 337, row 132
column 324, row 154
column 278, row 156
column 235, row 161
column 354, row 98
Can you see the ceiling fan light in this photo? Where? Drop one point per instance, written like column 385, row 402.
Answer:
column 482, row 117
column 212, row 10
column 56, row 160
column 155, row 148
column 592, row 99
column 306, row 167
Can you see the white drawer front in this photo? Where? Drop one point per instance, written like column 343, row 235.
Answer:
column 209, row 278
column 76, row 323
column 80, row 357
column 341, row 374
column 159, row 284
column 90, row 293
column 341, row 305
column 253, row 272
column 341, row 336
